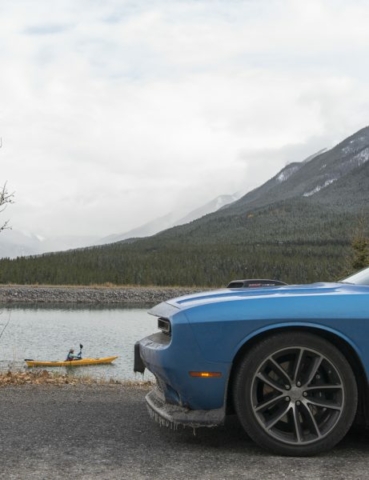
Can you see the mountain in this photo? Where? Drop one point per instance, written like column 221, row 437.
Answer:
column 146, row 230
column 329, row 178
column 171, row 220
column 331, row 188
column 14, row 243
column 218, row 203
column 297, row 227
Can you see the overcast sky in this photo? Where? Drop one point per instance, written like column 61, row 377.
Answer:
column 115, row 113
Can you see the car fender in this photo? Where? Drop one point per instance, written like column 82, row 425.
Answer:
column 296, row 325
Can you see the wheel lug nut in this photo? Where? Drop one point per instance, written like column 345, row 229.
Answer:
column 298, row 384
column 297, row 403
column 287, row 387
column 287, row 399
column 305, row 394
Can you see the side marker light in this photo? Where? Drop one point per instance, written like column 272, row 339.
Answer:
column 205, row 374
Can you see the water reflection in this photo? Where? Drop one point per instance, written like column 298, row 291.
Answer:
column 47, row 332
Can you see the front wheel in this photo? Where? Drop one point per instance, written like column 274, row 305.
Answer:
column 295, row 394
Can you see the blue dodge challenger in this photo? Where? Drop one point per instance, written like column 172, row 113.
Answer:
column 292, row 361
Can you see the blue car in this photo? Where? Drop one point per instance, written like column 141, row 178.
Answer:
column 292, row 361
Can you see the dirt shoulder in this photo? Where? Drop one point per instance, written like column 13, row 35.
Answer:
column 45, row 377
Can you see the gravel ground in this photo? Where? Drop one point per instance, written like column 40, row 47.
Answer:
column 104, row 432
column 91, row 295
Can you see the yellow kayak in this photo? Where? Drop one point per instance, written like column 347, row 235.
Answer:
column 73, row 363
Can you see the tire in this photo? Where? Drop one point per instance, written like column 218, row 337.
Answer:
column 295, row 394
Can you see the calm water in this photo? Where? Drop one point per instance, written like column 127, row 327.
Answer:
column 47, row 333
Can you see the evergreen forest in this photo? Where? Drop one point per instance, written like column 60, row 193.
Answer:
column 289, row 242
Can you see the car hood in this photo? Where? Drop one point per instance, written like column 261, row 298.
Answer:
column 235, row 295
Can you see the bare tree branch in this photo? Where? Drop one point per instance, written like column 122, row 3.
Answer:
column 6, row 198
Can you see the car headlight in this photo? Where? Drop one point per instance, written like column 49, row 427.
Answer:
column 164, row 325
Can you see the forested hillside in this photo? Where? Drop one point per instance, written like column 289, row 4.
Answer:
column 297, row 227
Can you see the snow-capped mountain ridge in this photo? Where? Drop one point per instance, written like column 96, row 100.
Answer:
column 323, row 178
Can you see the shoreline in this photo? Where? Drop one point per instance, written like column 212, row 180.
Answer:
column 49, row 294
column 41, row 376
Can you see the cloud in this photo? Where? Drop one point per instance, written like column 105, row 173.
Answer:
column 45, row 29
column 115, row 113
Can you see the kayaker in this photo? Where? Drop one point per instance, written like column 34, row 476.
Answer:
column 71, row 355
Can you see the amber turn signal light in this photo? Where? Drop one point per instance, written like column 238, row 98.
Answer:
column 205, row 374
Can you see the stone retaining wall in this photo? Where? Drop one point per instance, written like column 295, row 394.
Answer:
column 90, row 295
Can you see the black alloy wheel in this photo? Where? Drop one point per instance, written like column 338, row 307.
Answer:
column 295, row 394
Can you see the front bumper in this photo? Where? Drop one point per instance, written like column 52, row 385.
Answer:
column 168, row 414
column 171, row 365
column 177, row 397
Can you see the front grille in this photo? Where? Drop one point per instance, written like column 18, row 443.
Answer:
column 164, row 325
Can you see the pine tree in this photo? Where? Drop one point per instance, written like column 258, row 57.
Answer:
column 360, row 246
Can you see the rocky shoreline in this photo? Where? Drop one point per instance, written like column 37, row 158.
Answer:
column 90, row 295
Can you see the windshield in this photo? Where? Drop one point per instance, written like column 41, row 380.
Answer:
column 359, row 278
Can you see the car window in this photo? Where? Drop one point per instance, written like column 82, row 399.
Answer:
column 359, row 278
column 235, row 285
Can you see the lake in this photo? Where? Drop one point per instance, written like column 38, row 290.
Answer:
column 48, row 332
